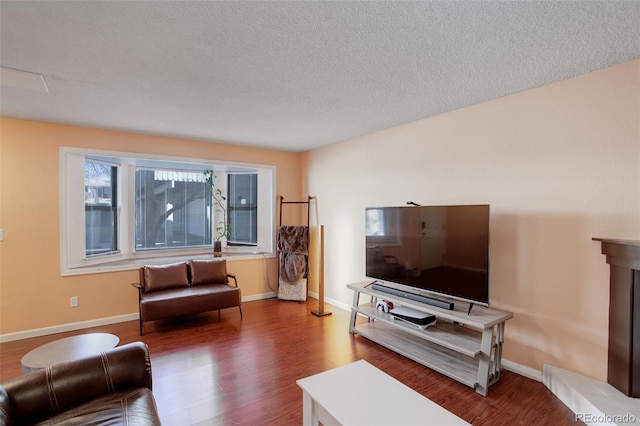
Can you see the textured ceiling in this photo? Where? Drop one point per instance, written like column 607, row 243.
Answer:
column 295, row 75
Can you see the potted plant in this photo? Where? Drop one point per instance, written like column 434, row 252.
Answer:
column 223, row 228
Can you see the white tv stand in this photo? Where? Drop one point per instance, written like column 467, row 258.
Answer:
column 465, row 347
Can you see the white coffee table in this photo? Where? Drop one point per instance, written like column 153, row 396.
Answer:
column 68, row 349
column 360, row 394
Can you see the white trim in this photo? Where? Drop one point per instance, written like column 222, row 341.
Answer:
column 21, row 335
column 522, row 370
column 132, row 264
column 38, row 332
column 333, row 302
column 261, row 296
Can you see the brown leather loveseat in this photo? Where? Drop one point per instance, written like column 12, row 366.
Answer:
column 111, row 388
column 185, row 288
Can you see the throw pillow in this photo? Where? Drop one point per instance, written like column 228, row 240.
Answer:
column 161, row 277
column 208, row 272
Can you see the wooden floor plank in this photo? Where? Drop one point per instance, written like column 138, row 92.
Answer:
column 244, row 371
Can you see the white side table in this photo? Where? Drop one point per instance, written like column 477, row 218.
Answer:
column 360, row 394
column 68, row 349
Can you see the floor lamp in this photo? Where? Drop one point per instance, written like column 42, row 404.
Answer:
column 321, row 312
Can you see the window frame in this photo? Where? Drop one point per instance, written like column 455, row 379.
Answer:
column 73, row 260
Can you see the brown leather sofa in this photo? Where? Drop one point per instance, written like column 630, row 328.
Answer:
column 111, row 388
column 185, row 288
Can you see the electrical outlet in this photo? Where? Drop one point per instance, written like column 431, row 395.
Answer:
column 74, row 302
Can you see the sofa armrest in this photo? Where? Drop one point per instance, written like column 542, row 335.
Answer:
column 5, row 408
column 232, row 276
column 44, row 393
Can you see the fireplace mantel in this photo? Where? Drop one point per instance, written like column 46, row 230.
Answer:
column 621, row 252
column 623, row 257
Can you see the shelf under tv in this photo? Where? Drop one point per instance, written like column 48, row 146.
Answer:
column 467, row 348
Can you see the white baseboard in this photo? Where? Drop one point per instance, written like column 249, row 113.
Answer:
column 9, row 337
column 522, row 370
column 332, row 302
column 338, row 304
column 259, row 296
column 63, row 328
column 20, row 335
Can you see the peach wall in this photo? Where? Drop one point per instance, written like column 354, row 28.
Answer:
column 559, row 165
column 33, row 294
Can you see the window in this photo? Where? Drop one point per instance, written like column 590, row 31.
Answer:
column 374, row 222
column 133, row 206
column 382, row 226
column 243, row 208
column 172, row 209
column 100, row 208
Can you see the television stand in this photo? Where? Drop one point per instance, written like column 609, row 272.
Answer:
column 413, row 296
column 466, row 347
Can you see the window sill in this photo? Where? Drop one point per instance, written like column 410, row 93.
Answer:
column 131, row 264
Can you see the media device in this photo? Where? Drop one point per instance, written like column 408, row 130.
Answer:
column 423, row 251
column 384, row 306
column 412, row 316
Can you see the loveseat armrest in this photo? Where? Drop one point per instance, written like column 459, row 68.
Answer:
column 232, row 276
column 140, row 292
column 41, row 394
column 139, row 287
column 6, row 413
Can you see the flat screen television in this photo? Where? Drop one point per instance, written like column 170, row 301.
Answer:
column 440, row 250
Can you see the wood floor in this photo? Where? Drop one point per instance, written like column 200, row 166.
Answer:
column 244, row 371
